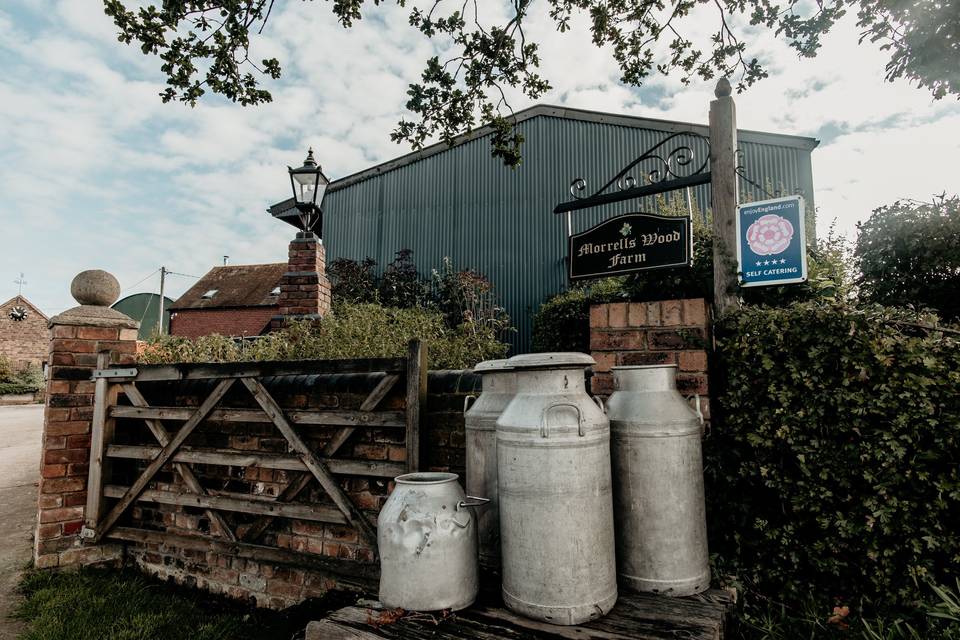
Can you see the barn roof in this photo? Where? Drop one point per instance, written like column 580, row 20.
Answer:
column 286, row 211
column 241, row 285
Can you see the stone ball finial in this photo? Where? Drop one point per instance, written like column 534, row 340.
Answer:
column 723, row 89
column 95, row 287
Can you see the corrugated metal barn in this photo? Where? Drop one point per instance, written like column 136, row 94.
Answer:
column 460, row 202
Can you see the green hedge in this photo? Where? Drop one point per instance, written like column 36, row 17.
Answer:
column 834, row 471
column 351, row 331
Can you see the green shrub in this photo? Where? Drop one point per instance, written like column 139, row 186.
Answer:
column 354, row 281
column 6, row 369
column 401, row 286
column 908, row 253
column 562, row 323
column 351, row 331
column 834, row 471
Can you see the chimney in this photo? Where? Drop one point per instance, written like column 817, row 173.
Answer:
column 304, row 287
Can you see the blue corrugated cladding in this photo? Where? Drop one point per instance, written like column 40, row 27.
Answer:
column 466, row 205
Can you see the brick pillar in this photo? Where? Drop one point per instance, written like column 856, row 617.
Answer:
column 77, row 337
column 643, row 333
column 304, row 287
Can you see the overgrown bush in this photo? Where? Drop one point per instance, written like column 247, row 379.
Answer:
column 351, row 331
column 840, row 441
column 401, row 286
column 354, row 281
column 908, row 253
column 562, row 323
column 29, row 379
column 463, row 296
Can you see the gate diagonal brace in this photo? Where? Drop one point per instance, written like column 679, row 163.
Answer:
column 163, row 458
column 303, row 480
column 189, row 478
column 316, row 467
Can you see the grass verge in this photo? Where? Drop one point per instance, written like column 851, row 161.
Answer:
column 105, row 604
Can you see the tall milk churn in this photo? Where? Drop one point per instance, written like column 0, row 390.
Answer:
column 480, row 419
column 556, row 508
column 427, row 535
column 657, row 483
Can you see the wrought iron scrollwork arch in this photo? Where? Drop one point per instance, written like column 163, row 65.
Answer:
column 677, row 163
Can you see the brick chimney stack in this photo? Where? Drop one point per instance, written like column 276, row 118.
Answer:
column 304, row 287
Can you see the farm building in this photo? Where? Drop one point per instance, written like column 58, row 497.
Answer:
column 24, row 337
column 235, row 300
column 458, row 201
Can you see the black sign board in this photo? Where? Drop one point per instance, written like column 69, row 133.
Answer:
column 629, row 243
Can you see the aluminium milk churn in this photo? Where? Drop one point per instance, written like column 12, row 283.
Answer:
column 657, row 483
column 480, row 419
column 427, row 535
column 556, row 509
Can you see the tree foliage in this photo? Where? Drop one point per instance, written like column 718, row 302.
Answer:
column 908, row 253
column 206, row 45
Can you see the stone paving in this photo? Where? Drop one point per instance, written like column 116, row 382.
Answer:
column 20, row 433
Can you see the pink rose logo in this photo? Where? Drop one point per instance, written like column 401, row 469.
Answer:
column 769, row 235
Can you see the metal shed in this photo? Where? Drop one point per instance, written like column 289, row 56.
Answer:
column 460, row 202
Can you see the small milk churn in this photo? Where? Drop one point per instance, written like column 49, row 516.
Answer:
column 556, row 510
column 427, row 536
column 480, row 419
column 657, row 483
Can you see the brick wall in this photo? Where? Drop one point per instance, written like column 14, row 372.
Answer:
column 74, row 348
column 279, row 585
column 644, row 333
column 248, row 321
column 26, row 341
column 304, row 288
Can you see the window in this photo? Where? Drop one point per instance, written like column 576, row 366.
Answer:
column 209, row 294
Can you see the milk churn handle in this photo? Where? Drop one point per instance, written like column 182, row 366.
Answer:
column 543, row 420
column 472, row 501
column 600, row 404
column 466, row 402
column 696, row 407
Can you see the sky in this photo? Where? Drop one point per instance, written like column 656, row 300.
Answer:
column 96, row 172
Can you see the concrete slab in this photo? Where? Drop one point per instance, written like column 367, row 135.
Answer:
column 21, row 428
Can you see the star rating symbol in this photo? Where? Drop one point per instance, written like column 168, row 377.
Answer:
column 766, row 263
column 759, row 264
column 783, row 261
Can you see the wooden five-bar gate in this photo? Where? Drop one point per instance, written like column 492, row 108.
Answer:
column 108, row 502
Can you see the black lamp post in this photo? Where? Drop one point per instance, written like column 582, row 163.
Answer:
column 309, row 185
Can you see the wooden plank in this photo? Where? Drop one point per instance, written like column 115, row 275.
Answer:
column 317, row 468
column 379, row 392
column 724, row 198
column 163, row 437
column 258, row 505
column 329, row 630
column 416, row 400
column 364, row 575
column 234, row 458
column 298, row 484
column 306, row 418
column 168, row 450
column 635, row 617
column 101, row 435
column 207, row 371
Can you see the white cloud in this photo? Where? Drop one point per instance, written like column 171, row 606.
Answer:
column 97, row 172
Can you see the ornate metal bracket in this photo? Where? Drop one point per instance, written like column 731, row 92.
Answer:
column 671, row 170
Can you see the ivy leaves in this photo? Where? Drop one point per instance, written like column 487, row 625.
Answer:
column 204, row 45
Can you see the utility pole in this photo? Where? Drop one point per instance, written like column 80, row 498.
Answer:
column 724, row 197
column 163, row 280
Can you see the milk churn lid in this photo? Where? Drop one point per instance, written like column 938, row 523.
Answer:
column 551, row 360
column 488, row 366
